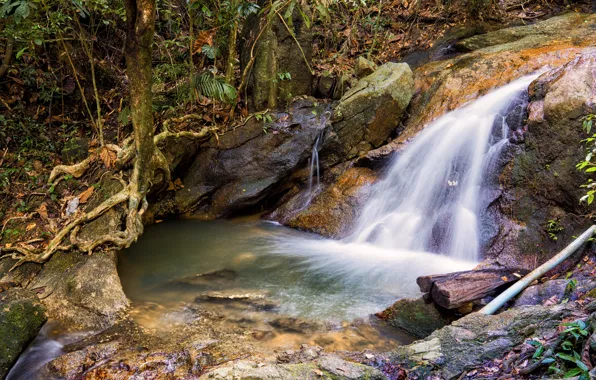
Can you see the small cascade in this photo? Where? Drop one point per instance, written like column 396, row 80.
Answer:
column 315, row 170
column 431, row 199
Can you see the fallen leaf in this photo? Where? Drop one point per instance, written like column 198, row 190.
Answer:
column 42, row 210
column 31, row 226
column 108, row 157
column 84, row 196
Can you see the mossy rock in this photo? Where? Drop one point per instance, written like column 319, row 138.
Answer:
column 21, row 317
column 416, row 317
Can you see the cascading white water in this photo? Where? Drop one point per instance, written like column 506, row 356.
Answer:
column 314, row 163
column 429, row 200
column 315, row 170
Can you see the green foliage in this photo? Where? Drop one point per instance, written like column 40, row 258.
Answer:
column 565, row 360
column 553, row 227
column 587, row 165
column 211, row 86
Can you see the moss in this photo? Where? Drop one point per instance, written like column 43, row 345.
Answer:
column 21, row 317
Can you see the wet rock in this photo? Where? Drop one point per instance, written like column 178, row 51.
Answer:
column 550, row 28
column 347, row 370
column 242, row 168
column 304, row 354
column 232, row 295
column 417, row 317
column 371, row 110
column 553, row 292
column 326, row 367
column 255, row 299
column 21, row 318
column 83, row 292
column 75, row 150
column 294, row 325
column 276, row 52
column 214, row 277
column 442, row 86
column 364, row 67
column 473, row 339
column 541, row 186
column 325, row 87
column 334, row 209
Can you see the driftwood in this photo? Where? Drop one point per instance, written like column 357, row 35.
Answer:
column 453, row 290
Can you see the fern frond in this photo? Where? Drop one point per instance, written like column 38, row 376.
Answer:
column 213, row 87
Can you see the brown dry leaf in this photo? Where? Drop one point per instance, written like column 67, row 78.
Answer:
column 203, row 38
column 504, row 278
column 178, row 183
column 31, row 226
column 171, row 186
column 108, row 157
column 42, row 210
column 53, row 225
column 84, row 196
column 8, row 245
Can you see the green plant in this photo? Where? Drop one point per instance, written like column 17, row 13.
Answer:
column 553, row 227
column 565, row 355
column 211, row 86
column 587, row 165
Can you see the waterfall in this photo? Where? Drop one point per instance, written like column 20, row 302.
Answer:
column 430, row 198
column 315, row 171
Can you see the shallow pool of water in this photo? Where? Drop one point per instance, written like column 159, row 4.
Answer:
column 259, row 271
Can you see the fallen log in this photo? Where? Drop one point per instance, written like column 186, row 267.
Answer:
column 453, row 290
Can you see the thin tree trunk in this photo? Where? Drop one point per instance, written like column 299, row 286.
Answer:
column 7, row 56
column 232, row 52
column 140, row 19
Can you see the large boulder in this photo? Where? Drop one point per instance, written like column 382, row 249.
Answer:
column 21, row 317
column 369, row 113
column 416, row 316
column 333, row 209
column 82, row 292
column 275, row 52
column 243, row 167
column 477, row 338
column 541, row 186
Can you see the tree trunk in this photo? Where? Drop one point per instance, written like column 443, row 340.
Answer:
column 140, row 20
column 7, row 56
column 453, row 290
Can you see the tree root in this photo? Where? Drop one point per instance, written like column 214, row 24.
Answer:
column 137, row 203
column 76, row 170
column 26, row 254
column 126, row 154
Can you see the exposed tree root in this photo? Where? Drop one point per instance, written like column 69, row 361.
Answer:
column 130, row 193
column 76, row 170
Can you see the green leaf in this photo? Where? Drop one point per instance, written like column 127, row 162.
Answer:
column 563, row 356
column 538, row 352
column 548, row 360
column 591, row 170
column 572, row 373
column 38, row 41
column 21, row 52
